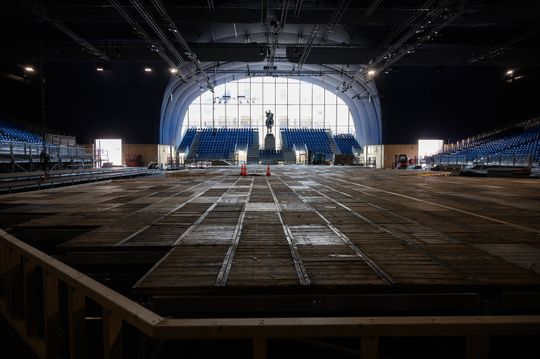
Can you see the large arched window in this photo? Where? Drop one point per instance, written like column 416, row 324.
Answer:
column 294, row 103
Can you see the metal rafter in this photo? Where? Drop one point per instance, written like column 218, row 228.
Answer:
column 150, row 21
column 307, row 48
column 372, row 7
column 211, row 5
column 297, row 8
column 337, row 15
column 274, row 36
column 400, row 48
column 88, row 47
column 178, row 36
column 419, row 12
column 154, row 45
column 500, row 49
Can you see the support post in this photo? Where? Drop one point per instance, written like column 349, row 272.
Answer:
column 31, row 304
column 478, row 347
column 260, row 349
column 77, row 344
column 51, row 314
column 112, row 335
column 370, row 348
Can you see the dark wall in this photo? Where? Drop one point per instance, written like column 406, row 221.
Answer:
column 453, row 103
column 122, row 102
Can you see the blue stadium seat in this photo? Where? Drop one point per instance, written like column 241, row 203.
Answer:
column 346, row 143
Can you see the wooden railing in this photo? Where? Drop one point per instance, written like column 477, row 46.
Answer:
column 30, row 283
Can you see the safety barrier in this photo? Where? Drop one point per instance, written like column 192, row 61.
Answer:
column 30, row 283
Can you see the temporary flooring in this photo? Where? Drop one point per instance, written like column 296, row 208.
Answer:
column 338, row 229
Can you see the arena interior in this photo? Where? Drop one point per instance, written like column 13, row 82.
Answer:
column 270, row 179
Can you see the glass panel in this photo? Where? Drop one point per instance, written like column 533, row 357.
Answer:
column 280, row 117
column 318, row 95
column 269, row 93
column 305, row 116
column 329, row 98
column 256, row 93
column 244, row 116
column 232, row 115
column 294, row 92
column 206, row 115
column 318, row 116
column 330, row 115
column 281, row 93
column 244, row 96
column 219, row 116
column 342, row 119
column 207, row 97
column 194, row 115
column 305, row 93
column 256, row 116
column 294, row 115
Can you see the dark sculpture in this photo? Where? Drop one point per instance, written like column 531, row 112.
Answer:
column 269, row 121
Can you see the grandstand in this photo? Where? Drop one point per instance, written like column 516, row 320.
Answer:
column 510, row 145
column 224, row 144
column 347, row 144
column 10, row 132
column 22, row 150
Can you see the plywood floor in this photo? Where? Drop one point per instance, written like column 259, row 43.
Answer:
column 302, row 227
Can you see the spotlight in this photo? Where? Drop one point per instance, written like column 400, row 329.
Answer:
column 510, row 72
column 371, row 72
column 29, row 69
column 147, row 69
column 173, row 70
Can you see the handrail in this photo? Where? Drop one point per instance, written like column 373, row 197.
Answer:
column 14, row 253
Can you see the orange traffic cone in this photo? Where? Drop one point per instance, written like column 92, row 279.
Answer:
column 244, row 170
column 268, row 169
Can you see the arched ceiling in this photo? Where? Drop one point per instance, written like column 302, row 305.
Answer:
column 362, row 98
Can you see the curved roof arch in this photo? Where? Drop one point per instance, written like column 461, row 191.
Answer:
column 362, row 99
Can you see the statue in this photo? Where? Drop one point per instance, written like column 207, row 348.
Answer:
column 269, row 121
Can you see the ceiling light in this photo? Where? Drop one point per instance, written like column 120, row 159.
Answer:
column 510, row 72
column 173, row 70
column 100, row 69
column 29, row 69
column 147, row 69
column 371, row 72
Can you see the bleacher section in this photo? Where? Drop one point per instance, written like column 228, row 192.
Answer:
column 187, row 141
column 222, row 143
column 20, row 150
column 313, row 140
column 13, row 133
column 346, row 143
column 270, row 156
column 510, row 145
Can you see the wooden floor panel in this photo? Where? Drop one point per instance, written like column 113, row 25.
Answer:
column 302, row 227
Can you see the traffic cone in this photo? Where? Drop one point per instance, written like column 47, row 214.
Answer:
column 268, row 169
column 243, row 172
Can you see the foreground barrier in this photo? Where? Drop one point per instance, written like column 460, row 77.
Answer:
column 30, row 297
